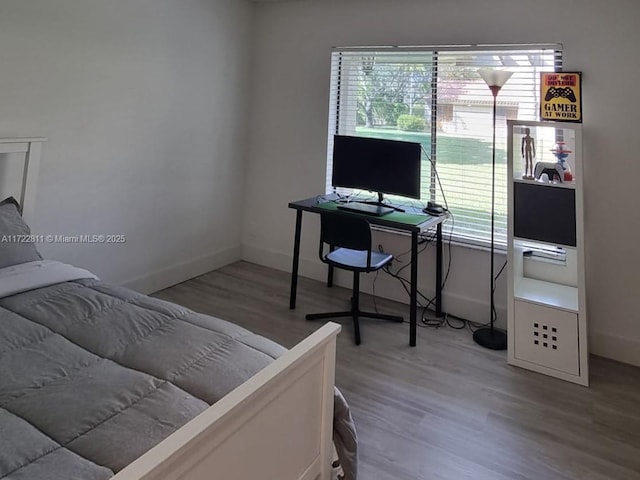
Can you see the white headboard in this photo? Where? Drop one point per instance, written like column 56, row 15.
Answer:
column 30, row 148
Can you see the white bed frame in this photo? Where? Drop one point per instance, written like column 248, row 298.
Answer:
column 278, row 425
column 31, row 147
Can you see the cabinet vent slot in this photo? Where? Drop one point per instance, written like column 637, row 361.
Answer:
column 540, row 327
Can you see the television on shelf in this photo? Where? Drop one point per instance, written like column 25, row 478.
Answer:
column 377, row 165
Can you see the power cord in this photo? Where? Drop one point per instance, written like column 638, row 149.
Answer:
column 494, row 315
column 448, row 320
column 406, row 284
column 403, row 281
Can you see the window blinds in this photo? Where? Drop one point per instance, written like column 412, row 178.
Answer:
column 434, row 95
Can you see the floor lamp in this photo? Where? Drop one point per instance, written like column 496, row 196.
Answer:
column 490, row 337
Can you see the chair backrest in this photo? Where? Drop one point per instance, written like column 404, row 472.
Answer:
column 345, row 231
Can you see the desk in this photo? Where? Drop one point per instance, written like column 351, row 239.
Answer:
column 394, row 221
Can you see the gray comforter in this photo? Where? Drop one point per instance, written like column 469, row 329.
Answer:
column 92, row 376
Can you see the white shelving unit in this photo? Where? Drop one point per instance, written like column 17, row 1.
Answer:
column 547, row 319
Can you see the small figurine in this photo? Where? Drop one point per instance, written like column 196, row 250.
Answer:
column 528, row 150
column 561, row 155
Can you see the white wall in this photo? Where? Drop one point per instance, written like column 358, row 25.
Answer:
column 287, row 152
column 144, row 104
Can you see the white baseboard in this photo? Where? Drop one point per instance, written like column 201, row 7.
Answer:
column 621, row 349
column 454, row 303
column 180, row 272
column 283, row 261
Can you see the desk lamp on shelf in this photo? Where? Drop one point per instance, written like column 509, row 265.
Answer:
column 491, row 337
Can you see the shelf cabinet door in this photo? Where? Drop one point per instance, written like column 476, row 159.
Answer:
column 547, row 336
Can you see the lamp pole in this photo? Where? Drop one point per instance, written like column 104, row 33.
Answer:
column 491, row 337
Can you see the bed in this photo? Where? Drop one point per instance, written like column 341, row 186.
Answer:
column 98, row 381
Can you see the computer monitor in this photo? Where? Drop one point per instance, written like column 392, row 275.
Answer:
column 378, row 165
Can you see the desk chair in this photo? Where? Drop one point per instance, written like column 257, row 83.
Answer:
column 349, row 239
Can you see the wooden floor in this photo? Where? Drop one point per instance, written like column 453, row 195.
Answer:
column 447, row 409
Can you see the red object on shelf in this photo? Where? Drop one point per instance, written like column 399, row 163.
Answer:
column 567, row 176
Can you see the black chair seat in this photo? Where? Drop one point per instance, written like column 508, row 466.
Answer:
column 357, row 259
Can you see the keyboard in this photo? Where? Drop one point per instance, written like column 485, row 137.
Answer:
column 366, row 209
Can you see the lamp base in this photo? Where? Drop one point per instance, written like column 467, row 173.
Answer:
column 495, row 339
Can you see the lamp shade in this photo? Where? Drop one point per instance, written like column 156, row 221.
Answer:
column 495, row 78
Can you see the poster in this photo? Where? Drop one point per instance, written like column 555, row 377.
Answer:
column 561, row 96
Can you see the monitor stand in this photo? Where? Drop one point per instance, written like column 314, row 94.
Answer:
column 380, row 203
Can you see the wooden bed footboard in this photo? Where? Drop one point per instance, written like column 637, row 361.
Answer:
column 275, row 426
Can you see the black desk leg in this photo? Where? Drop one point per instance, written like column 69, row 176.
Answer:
column 439, row 271
column 296, row 258
column 413, row 302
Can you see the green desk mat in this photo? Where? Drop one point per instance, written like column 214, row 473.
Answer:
column 400, row 217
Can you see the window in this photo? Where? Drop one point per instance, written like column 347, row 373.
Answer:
column 434, row 95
